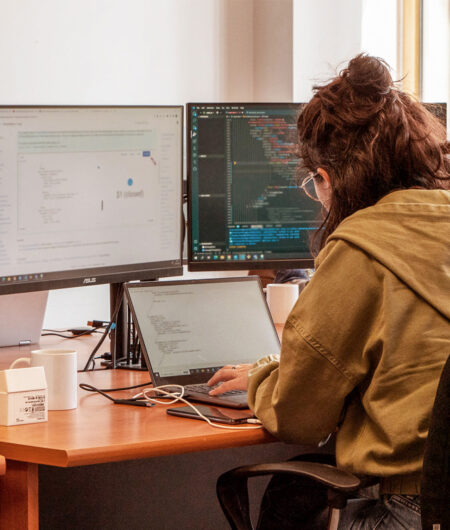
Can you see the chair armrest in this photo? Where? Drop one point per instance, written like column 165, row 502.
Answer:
column 325, row 474
column 233, row 495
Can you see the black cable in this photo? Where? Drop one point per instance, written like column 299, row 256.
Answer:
column 94, row 389
column 96, row 369
column 94, row 351
column 183, row 221
column 184, row 200
column 91, row 388
column 139, row 402
column 107, row 329
column 58, row 335
column 87, row 332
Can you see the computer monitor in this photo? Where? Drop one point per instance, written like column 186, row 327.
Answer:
column 89, row 195
column 246, row 210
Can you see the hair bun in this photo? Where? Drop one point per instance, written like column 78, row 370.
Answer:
column 368, row 76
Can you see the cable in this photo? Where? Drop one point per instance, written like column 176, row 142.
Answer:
column 56, row 330
column 91, row 388
column 87, row 332
column 142, row 399
column 183, row 217
column 98, row 323
column 179, row 397
column 132, row 401
column 105, row 333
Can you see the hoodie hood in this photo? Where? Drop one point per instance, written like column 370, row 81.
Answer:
column 408, row 232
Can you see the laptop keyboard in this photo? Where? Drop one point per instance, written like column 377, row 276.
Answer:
column 205, row 389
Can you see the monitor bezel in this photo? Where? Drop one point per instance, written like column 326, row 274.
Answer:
column 199, row 266
column 115, row 273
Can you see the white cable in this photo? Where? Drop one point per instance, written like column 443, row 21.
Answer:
column 179, row 397
column 176, row 396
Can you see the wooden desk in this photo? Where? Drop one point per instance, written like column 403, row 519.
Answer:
column 96, row 432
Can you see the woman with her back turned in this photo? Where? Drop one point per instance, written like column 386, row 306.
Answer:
column 363, row 349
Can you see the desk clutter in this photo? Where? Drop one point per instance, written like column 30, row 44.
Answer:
column 23, row 396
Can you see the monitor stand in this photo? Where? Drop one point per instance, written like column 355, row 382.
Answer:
column 21, row 317
column 125, row 348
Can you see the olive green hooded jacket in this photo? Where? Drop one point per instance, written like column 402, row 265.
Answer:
column 364, row 346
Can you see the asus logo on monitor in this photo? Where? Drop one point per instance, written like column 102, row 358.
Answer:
column 89, row 280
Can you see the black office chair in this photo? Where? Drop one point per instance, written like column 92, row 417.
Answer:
column 341, row 485
column 435, row 482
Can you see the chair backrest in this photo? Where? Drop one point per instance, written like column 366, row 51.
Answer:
column 435, row 484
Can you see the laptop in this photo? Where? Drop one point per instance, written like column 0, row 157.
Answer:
column 189, row 329
column 21, row 317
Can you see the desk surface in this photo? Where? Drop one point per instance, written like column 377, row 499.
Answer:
column 99, row 431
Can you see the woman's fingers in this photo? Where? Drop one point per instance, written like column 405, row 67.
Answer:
column 231, row 377
column 224, row 374
column 238, row 383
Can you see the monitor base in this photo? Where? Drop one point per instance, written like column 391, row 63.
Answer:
column 124, row 365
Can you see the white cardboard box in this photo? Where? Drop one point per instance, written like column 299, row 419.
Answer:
column 23, row 396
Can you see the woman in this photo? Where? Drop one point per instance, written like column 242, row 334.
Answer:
column 363, row 349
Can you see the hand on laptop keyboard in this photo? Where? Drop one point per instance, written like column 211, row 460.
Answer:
column 205, row 389
column 230, row 378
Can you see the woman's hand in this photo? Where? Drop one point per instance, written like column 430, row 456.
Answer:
column 231, row 378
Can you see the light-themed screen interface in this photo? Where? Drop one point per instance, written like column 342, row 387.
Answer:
column 192, row 327
column 88, row 188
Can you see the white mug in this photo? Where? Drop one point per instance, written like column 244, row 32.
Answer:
column 281, row 298
column 60, row 368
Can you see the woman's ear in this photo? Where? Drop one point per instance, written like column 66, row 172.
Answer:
column 324, row 174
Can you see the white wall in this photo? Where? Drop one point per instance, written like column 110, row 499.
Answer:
column 273, row 50
column 379, row 28
column 326, row 35
column 109, row 51
column 234, row 38
column 68, row 308
column 436, row 53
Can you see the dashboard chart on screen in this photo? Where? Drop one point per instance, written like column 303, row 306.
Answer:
column 89, row 195
column 245, row 206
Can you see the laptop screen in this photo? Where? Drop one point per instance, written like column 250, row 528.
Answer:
column 189, row 329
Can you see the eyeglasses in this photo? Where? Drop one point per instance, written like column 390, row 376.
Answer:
column 309, row 187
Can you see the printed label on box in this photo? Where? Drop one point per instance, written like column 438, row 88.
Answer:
column 29, row 406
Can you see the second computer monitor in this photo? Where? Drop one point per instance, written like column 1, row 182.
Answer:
column 89, row 195
column 246, row 209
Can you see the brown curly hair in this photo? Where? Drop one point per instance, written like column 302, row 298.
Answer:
column 371, row 138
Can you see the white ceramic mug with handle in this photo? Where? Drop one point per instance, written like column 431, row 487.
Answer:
column 60, row 368
column 281, row 298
